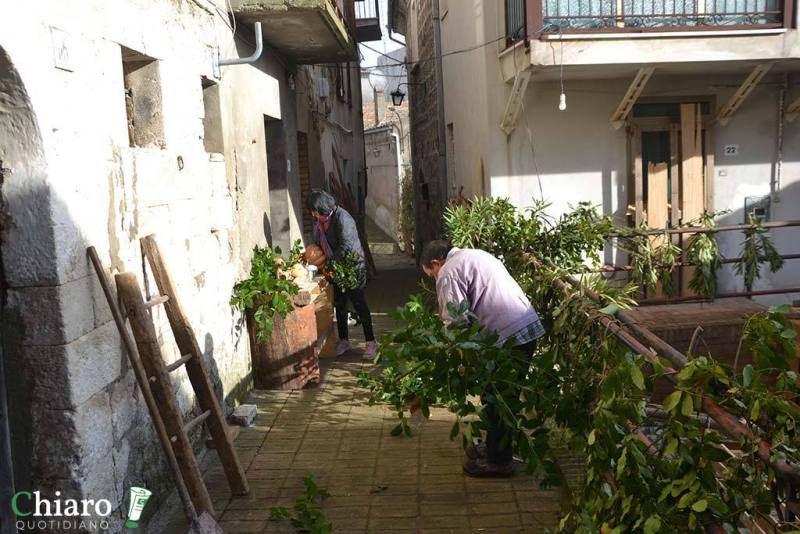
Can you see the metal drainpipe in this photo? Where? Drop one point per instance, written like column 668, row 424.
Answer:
column 389, row 28
column 437, row 45
column 775, row 186
column 242, row 60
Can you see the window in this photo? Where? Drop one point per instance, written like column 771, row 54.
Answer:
column 143, row 103
column 212, row 119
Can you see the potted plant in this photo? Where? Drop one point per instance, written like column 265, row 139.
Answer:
column 282, row 335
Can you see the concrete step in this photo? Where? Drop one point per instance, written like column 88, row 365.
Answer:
column 383, row 248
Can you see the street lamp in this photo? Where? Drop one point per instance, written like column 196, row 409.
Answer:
column 398, row 95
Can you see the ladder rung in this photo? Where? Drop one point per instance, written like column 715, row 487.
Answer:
column 177, row 363
column 196, row 421
column 155, row 301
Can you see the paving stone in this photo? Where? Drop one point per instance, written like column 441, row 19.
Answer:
column 429, row 509
column 411, row 510
column 392, row 524
column 493, row 508
column 494, row 520
column 242, row 526
column 255, row 514
column 446, row 522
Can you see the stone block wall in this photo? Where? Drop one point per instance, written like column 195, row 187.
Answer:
column 428, row 200
column 78, row 422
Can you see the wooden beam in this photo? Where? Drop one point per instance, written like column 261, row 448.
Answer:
column 742, row 93
column 793, row 110
column 709, row 169
column 514, row 104
column 692, row 187
column 657, row 206
column 631, row 95
column 638, row 177
column 674, row 175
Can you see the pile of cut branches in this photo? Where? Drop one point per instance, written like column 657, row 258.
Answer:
column 588, row 391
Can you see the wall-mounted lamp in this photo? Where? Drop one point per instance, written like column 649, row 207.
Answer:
column 398, row 95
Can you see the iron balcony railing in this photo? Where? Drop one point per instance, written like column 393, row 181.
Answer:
column 515, row 21
column 572, row 16
column 366, row 9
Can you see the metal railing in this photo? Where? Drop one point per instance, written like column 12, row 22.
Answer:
column 366, row 9
column 534, row 17
column 679, row 264
column 515, row 21
column 660, row 15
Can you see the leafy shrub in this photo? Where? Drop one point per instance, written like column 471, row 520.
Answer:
column 267, row 290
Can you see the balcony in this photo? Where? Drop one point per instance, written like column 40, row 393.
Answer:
column 615, row 38
column 307, row 31
column 528, row 18
column 368, row 22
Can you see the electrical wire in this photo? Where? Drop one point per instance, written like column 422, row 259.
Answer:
column 423, row 60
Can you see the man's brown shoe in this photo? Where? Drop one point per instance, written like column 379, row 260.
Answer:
column 482, row 468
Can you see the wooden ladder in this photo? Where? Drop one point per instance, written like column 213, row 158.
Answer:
column 159, row 382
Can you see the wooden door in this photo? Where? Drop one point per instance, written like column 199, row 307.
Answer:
column 671, row 160
column 692, row 178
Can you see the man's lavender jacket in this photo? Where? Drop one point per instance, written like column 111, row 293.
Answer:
column 493, row 296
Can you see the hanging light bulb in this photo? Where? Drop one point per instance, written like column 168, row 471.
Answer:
column 562, row 102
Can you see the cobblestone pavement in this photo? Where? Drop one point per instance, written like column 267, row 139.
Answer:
column 379, row 483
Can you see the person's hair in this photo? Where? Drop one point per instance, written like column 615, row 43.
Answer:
column 435, row 250
column 321, row 201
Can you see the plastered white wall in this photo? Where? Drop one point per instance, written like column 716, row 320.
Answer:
column 576, row 155
column 207, row 211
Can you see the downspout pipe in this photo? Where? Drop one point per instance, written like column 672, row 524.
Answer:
column 255, row 56
column 437, row 44
column 389, row 29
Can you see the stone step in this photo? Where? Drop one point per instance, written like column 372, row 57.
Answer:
column 385, row 248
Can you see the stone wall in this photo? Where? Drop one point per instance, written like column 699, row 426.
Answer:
column 78, row 422
column 330, row 113
column 384, row 167
column 428, row 200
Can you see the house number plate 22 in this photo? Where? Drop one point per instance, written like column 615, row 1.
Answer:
column 731, row 150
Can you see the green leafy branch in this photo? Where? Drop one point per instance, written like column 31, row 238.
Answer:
column 347, row 273
column 757, row 248
column 267, row 290
column 306, row 515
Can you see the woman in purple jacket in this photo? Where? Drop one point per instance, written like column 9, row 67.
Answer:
column 499, row 305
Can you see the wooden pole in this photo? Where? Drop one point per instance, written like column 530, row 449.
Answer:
column 727, row 422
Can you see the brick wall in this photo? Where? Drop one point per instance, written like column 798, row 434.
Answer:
column 722, row 323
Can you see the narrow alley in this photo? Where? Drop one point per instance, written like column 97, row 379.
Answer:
column 574, row 226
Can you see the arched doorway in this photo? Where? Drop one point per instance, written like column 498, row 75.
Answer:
column 24, row 229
